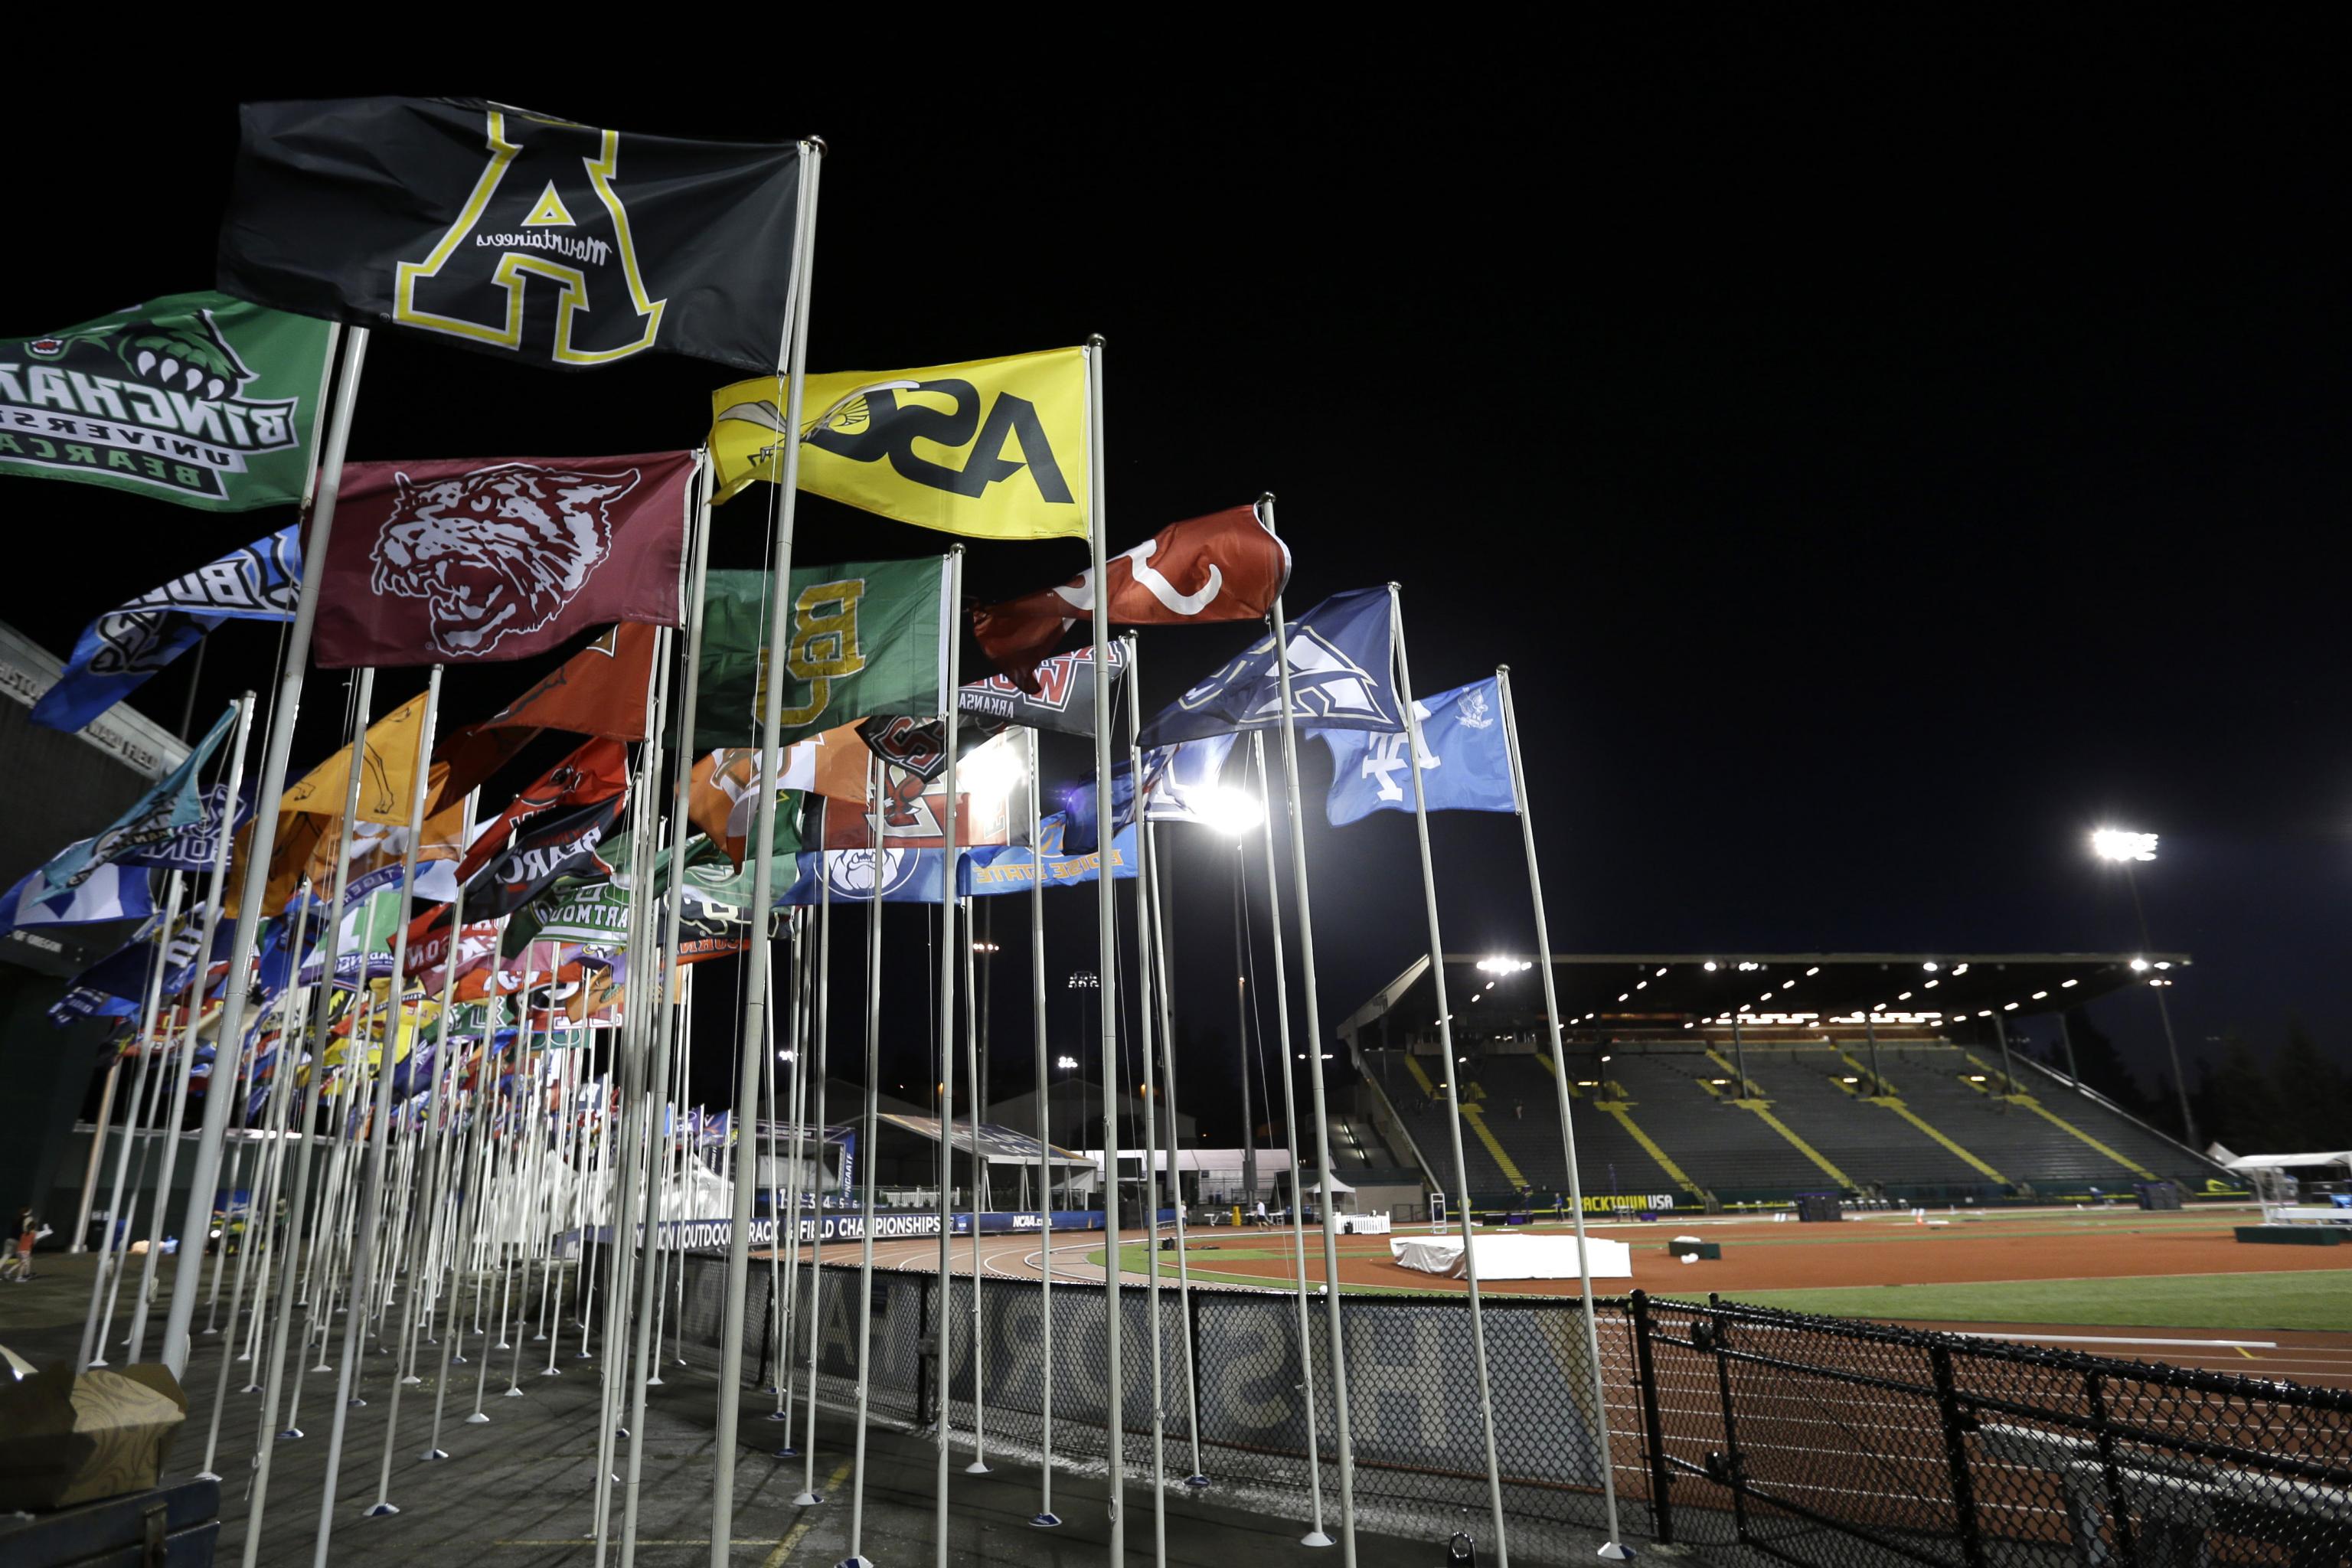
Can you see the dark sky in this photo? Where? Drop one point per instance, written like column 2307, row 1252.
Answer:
column 1881, row 457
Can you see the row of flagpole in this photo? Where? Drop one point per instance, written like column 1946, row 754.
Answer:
column 367, row 1239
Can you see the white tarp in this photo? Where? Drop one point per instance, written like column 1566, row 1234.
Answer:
column 1514, row 1257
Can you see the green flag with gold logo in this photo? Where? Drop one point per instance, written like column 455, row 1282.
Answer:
column 866, row 639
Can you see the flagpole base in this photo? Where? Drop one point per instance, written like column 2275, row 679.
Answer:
column 653, row 1382
column 430, row 1455
column 411, row 1381
column 978, row 1468
column 291, row 1435
column 1316, row 1537
column 807, row 1499
column 477, row 1419
column 514, row 1392
column 380, row 1511
column 1045, row 1521
column 550, row 1372
column 355, row 1403
column 206, row 1476
column 1617, row 1552
column 854, row 1563
column 786, row 1452
column 778, row 1415
column 250, row 1388
column 1196, row 1480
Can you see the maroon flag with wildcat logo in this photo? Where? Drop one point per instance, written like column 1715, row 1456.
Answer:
column 469, row 560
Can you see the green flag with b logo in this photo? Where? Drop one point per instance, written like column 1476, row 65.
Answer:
column 868, row 639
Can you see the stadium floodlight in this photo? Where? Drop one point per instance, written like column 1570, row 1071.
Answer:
column 1231, row 811
column 1708, row 966
column 2122, row 844
column 2139, row 964
column 1065, row 1064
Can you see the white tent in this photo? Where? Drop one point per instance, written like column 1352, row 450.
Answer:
column 2289, row 1162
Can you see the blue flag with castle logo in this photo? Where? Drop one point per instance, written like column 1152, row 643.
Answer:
column 1465, row 763
column 1341, row 677
column 117, row 653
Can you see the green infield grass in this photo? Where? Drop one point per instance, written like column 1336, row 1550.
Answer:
column 2314, row 1299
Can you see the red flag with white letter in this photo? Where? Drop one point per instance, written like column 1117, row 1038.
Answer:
column 1227, row 567
column 486, row 559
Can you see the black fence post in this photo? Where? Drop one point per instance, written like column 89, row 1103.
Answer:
column 1734, row 1473
column 1654, row 1436
column 1955, row 1453
column 2094, row 1393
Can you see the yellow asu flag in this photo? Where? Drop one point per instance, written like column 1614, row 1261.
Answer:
column 388, row 773
column 993, row 450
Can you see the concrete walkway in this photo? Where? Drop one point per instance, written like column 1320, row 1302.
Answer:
column 517, row 1492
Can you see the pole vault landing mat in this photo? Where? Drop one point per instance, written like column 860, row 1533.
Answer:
column 2292, row 1234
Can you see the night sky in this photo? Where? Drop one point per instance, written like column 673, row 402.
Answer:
column 1881, row 459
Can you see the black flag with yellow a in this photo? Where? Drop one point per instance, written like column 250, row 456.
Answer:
column 491, row 228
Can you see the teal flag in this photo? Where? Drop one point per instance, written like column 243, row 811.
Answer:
column 194, row 398
column 173, row 804
column 868, row 639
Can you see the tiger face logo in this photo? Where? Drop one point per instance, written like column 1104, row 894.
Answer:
column 496, row 552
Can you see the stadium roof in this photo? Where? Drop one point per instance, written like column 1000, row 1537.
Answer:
column 1500, row 992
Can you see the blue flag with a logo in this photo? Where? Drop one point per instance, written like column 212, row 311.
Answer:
column 1341, row 677
column 173, row 805
column 116, row 652
column 1465, row 763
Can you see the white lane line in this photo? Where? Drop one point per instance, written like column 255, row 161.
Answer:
column 2119, row 1339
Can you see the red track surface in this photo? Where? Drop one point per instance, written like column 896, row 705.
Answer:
column 1763, row 1255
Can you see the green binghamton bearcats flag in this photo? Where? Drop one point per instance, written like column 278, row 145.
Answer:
column 868, row 639
column 196, row 398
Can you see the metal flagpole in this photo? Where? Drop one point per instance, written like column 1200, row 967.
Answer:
column 1453, row 1078
column 1146, row 1016
column 1044, row 1518
column 1106, row 944
column 258, row 1227
column 1314, row 1537
column 863, row 1327
column 461, row 1144
column 631, row 1254
column 755, row 956
column 80, row 1242
column 197, row 1223
column 1159, row 890
column 363, row 1260
column 951, row 640
column 819, row 1030
column 1338, row 1353
column 107, row 1250
column 979, row 1465
column 149, row 1127
column 665, row 1024
column 264, row 844
column 1614, row 1549
column 330, row 952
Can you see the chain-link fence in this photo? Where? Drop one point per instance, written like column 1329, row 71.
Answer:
column 1737, row 1430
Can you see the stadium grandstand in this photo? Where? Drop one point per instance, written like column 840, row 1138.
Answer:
column 1716, row 1082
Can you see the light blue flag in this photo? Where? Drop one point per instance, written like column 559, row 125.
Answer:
column 1013, row 867
column 160, row 814
column 116, row 652
column 1465, row 763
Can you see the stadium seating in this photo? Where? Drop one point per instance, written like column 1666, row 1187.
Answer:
column 1670, row 1119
